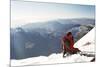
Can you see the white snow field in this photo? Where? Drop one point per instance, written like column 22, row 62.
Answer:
column 86, row 43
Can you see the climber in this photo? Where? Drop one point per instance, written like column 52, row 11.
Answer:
column 68, row 44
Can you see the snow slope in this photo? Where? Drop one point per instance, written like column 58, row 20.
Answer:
column 87, row 43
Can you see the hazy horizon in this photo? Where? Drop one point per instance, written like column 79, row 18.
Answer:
column 33, row 12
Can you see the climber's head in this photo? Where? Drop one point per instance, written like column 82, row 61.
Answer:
column 69, row 33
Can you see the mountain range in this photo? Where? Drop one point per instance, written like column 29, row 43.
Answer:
column 43, row 39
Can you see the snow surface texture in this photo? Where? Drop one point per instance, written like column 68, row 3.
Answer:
column 87, row 44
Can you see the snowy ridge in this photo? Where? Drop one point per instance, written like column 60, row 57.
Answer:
column 52, row 59
column 87, row 43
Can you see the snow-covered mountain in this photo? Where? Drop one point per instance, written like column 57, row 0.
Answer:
column 43, row 39
column 86, row 43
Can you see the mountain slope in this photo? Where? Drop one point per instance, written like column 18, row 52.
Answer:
column 43, row 39
column 87, row 43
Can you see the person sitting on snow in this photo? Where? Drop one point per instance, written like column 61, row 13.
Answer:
column 68, row 44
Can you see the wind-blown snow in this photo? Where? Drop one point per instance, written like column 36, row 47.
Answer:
column 87, row 43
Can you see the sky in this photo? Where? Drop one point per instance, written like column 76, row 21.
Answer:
column 32, row 12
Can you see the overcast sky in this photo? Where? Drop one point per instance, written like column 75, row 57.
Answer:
column 31, row 12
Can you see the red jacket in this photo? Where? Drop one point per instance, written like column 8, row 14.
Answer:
column 71, row 42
